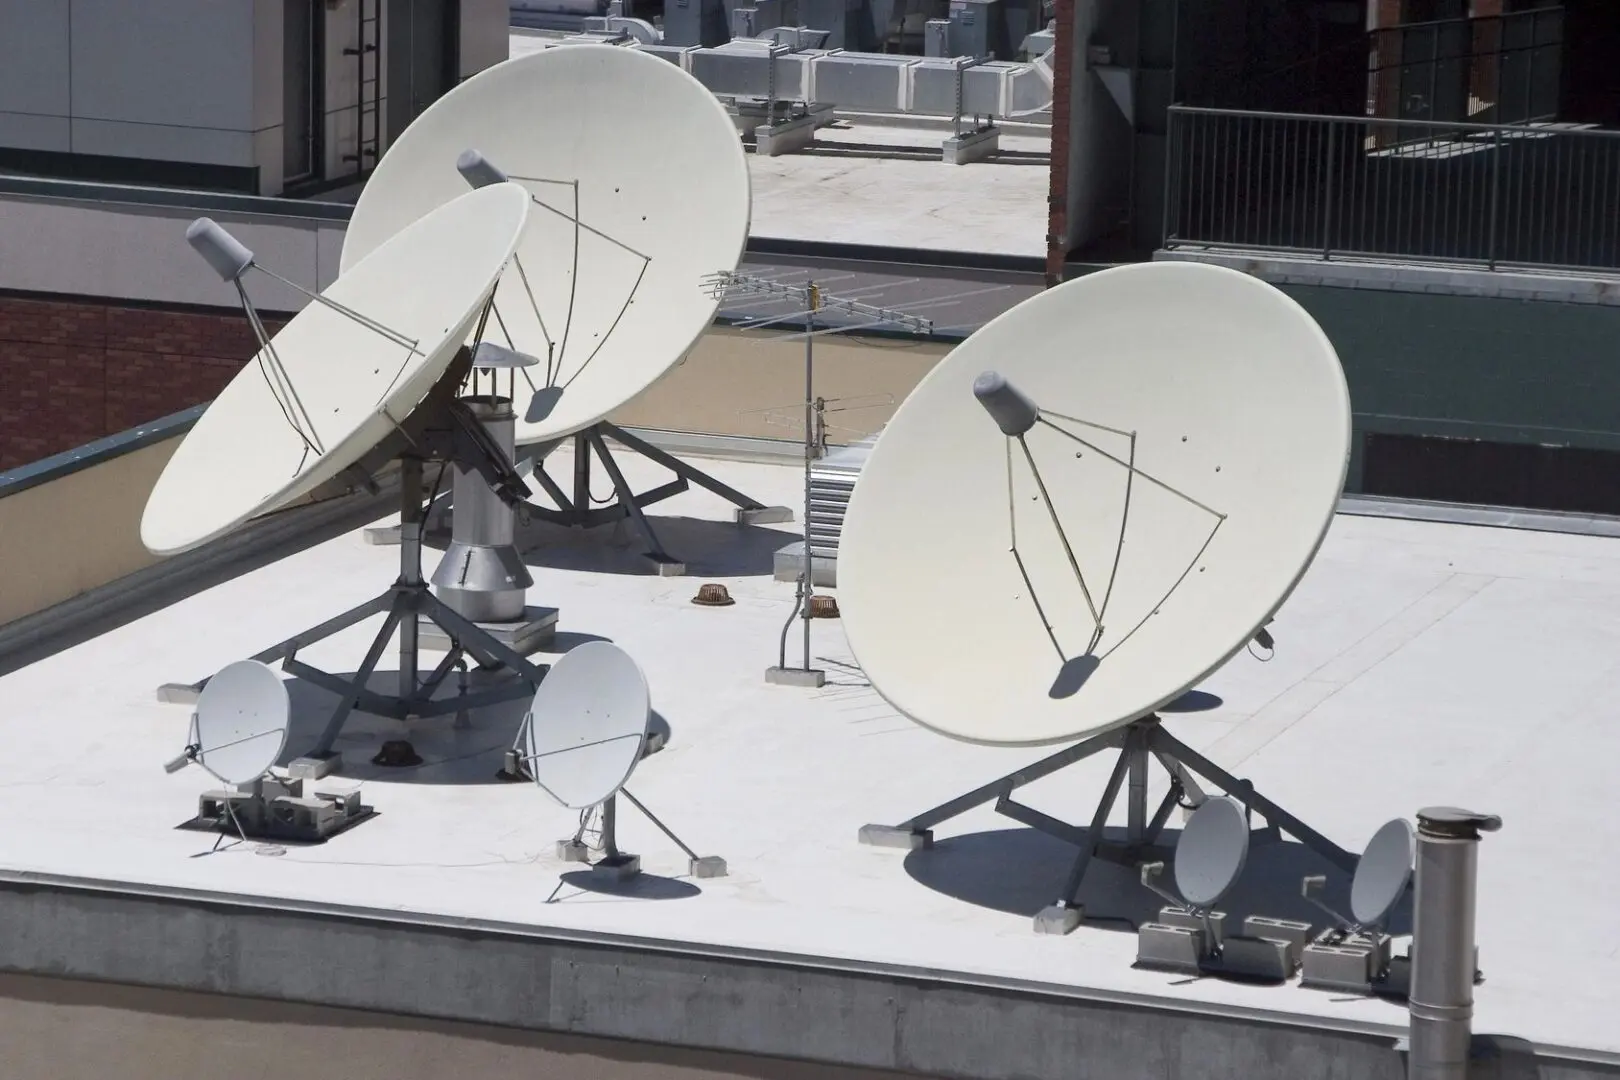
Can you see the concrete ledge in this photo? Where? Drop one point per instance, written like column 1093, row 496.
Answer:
column 678, row 994
column 808, row 1008
column 1509, row 283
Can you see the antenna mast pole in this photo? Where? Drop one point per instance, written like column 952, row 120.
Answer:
column 812, row 296
column 810, row 300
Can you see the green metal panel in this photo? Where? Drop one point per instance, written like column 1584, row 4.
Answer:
column 1505, row 370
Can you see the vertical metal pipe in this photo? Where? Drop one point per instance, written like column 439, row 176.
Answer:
column 1057, row 190
column 1441, row 1002
column 1136, row 807
column 410, row 566
column 481, row 576
column 813, row 296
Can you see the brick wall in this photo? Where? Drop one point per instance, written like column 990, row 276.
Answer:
column 72, row 371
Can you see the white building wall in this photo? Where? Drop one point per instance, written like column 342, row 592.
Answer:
column 35, row 93
column 486, row 35
column 200, row 81
column 170, row 80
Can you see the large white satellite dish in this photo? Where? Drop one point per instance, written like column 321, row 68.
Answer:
column 332, row 387
column 368, row 373
column 585, row 731
column 1084, row 510
column 640, row 188
column 1189, row 446
column 640, row 196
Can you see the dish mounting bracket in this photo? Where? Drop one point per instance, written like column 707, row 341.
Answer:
column 618, row 866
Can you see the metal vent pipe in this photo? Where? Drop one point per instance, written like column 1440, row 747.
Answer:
column 1441, row 1001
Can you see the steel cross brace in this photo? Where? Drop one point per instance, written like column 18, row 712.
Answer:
column 404, row 603
column 577, row 512
column 1139, row 743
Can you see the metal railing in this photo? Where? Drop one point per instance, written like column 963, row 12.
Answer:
column 1499, row 69
column 1495, row 69
column 1539, row 196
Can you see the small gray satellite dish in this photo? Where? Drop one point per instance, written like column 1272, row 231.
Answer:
column 240, row 727
column 585, row 731
column 1383, row 873
column 1211, row 852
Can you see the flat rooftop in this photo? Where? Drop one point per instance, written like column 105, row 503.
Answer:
column 881, row 182
column 1417, row 664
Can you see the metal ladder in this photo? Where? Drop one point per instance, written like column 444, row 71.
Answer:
column 368, row 123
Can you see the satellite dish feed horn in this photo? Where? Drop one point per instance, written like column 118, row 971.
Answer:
column 477, row 171
column 229, row 257
column 1013, row 413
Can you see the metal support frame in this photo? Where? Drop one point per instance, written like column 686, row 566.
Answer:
column 402, row 605
column 1138, row 743
column 620, row 865
column 577, row 510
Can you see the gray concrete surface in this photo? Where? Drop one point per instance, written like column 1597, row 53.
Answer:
column 647, row 991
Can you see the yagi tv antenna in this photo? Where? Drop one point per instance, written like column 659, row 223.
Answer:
column 640, row 189
column 588, row 728
column 1108, row 491
column 806, row 300
column 368, row 373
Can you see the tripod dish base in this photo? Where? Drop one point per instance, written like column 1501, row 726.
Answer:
column 537, row 630
column 1139, row 744
column 577, row 508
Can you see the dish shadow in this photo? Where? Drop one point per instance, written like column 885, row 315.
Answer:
column 1194, row 701
column 471, row 754
column 1072, row 676
column 1020, row 871
column 642, row 886
column 568, row 640
column 708, row 548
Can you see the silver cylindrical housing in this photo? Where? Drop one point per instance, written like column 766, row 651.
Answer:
column 482, row 577
column 1441, row 1001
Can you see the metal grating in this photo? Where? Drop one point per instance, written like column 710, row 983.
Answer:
column 832, row 479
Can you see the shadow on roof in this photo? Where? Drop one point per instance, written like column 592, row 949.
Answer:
column 1020, row 871
column 451, row 754
column 588, row 888
column 708, row 548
